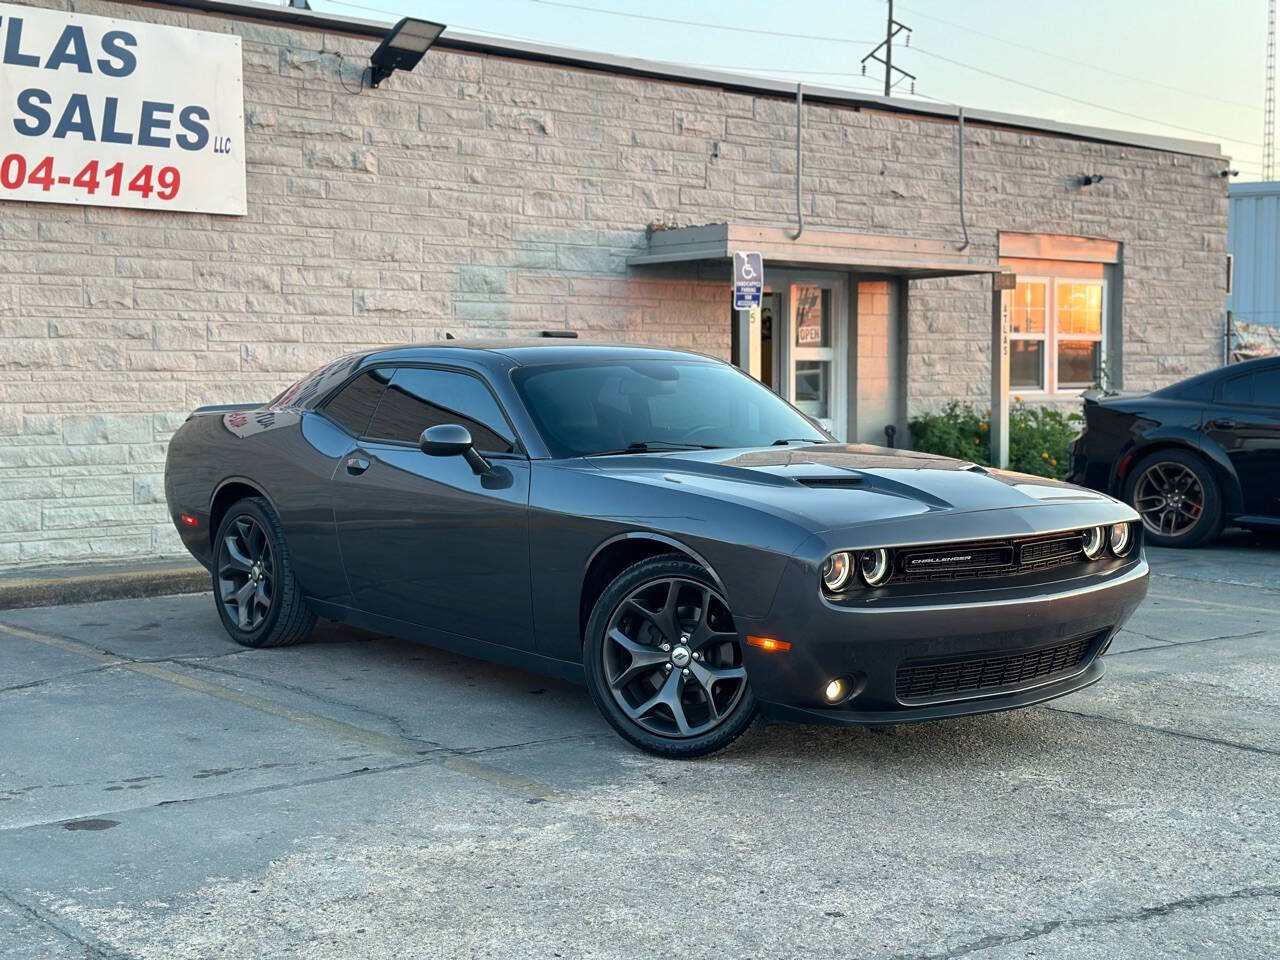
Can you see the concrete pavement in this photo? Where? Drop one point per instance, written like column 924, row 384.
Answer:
column 164, row 793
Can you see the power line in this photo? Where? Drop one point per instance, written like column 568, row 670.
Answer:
column 825, row 39
column 1080, row 63
column 1087, row 103
column 697, row 23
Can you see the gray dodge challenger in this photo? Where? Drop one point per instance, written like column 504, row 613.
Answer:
column 656, row 524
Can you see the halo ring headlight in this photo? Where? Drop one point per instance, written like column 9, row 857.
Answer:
column 1120, row 539
column 1095, row 538
column 835, row 571
column 874, row 566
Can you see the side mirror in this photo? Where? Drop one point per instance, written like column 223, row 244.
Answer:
column 453, row 440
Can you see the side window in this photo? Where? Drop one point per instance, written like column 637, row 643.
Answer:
column 355, row 403
column 1266, row 387
column 1235, row 390
column 419, row 398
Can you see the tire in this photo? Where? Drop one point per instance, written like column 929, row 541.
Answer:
column 697, row 693
column 253, row 572
column 1169, row 485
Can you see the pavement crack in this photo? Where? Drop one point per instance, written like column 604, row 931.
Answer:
column 92, row 950
column 45, row 681
column 1070, row 923
column 1169, row 644
column 397, row 724
column 1180, row 734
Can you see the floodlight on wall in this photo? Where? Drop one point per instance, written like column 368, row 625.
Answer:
column 1089, row 179
column 404, row 45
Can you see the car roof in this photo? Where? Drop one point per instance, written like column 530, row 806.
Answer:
column 1211, row 377
column 532, row 352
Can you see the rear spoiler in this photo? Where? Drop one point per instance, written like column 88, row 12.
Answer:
column 222, row 408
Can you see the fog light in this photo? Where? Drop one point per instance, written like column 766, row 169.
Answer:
column 835, row 690
column 874, row 565
column 835, row 571
column 1121, row 539
column 1095, row 539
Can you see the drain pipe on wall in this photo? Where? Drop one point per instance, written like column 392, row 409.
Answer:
column 799, row 160
column 960, row 141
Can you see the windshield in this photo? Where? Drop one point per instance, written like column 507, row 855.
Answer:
column 645, row 405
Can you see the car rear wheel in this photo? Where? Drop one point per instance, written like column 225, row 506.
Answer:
column 1177, row 497
column 258, row 599
column 664, row 662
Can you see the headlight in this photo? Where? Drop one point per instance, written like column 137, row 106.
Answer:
column 1121, row 539
column 874, row 565
column 1095, row 538
column 835, row 571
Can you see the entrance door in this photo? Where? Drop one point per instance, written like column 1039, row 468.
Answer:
column 815, row 363
column 798, row 345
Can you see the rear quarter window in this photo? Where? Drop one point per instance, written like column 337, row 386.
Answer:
column 353, row 405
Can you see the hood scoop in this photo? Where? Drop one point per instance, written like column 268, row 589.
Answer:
column 830, row 483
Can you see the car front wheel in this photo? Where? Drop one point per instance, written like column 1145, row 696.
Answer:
column 259, row 601
column 663, row 660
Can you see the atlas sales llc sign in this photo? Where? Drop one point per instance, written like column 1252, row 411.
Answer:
column 105, row 112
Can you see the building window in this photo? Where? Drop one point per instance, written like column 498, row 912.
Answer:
column 1057, row 334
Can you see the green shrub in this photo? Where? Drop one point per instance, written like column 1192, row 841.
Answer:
column 1039, row 438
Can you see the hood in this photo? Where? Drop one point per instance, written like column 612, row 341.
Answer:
column 826, row 486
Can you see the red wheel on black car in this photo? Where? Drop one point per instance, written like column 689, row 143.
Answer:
column 1177, row 497
column 663, row 660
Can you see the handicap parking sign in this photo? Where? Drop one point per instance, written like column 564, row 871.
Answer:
column 748, row 280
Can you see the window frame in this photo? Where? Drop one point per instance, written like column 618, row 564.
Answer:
column 1052, row 335
column 1043, row 337
column 520, row 451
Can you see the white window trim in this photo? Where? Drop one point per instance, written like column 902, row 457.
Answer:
column 1051, row 336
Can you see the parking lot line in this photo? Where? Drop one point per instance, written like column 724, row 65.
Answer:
column 453, row 760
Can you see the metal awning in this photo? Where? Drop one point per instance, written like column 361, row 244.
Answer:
column 909, row 257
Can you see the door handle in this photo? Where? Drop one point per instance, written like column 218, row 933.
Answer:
column 357, row 465
column 1223, row 424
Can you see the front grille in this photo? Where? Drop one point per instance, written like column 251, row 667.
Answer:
column 921, row 681
column 986, row 559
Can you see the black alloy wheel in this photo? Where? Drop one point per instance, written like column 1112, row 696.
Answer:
column 1177, row 497
column 665, row 662
column 258, row 600
column 246, row 573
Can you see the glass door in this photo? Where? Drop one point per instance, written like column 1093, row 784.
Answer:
column 815, row 360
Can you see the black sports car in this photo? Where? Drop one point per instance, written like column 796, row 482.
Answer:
column 1190, row 457
column 656, row 523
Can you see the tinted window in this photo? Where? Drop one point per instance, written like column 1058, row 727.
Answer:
column 1266, row 387
column 1200, row 390
column 417, row 399
column 355, row 403
column 606, row 407
column 1236, row 390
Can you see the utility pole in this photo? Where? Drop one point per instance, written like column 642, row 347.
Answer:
column 1269, row 101
column 893, row 75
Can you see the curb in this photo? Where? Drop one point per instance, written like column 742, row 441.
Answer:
column 118, row 583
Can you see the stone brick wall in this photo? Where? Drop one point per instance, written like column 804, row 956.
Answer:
column 485, row 195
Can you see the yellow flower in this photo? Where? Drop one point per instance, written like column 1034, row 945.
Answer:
column 1053, row 462
column 976, row 441
column 982, row 426
column 1044, row 456
column 1017, row 399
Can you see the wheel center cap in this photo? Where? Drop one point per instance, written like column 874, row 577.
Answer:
column 681, row 656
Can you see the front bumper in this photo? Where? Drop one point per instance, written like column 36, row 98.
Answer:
column 1034, row 642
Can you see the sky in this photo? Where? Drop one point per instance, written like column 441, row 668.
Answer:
column 1193, row 69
